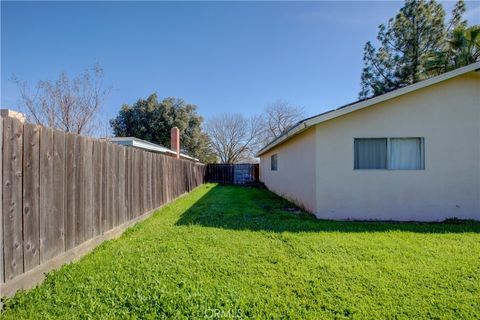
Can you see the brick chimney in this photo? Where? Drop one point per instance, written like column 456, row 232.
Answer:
column 175, row 141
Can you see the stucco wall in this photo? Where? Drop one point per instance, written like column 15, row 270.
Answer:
column 447, row 115
column 295, row 177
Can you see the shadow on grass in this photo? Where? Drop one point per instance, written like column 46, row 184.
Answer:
column 255, row 209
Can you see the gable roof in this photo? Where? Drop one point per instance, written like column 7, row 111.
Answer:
column 360, row 104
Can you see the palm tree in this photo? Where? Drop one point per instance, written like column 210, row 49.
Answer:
column 463, row 48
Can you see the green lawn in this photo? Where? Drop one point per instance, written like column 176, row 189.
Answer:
column 233, row 251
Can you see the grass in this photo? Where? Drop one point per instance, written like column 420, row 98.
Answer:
column 225, row 252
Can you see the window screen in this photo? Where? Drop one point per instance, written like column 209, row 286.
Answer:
column 370, row 153
column 274, row 162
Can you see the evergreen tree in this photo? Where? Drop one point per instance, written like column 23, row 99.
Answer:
column 152, row 121
column 405, row 45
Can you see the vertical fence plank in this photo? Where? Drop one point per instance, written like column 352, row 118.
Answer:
column 115, row 203
column 147, row 182
column 88, row 199
column 141, row 179
column 80, row 198
column 97, row 188
column 2, row 270
column 135, row 179
column 111, row 186
column 173, row 176
column 138, row 183
column 134, row 182
column 128, row 182
column 168, row 171
column 105, row 186
column 31, row 195
column 146, row 206
column 121, row 185
column 46, row 193
column 165, row 178
column 56, row 238
column 160, row 180
column 150, row 180
column 70, row 189
column 154, row 181
column 109, row 180
column 12, row 198
column 133, row 187
column 141, row 176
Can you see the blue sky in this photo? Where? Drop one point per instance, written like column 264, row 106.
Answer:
column 221, row 56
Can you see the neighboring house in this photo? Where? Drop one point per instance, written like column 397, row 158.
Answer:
column 410, row 154
column 156, row 148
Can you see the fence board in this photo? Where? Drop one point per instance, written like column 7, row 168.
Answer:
column 128, row 182
column 150, row 181
column 31, row 195
column 2, row 271
column 80, row 197
column 167, row 179
column 108, row 179
column 121, row 185
column 153, row 184
column 141, row 177
column 139, row 173
column 56, row 238
column 70, row 189
column 115, row 185
column 160, row 179
column 88, row 199
column 105, row 186
column 97, row 188
column 46, row 193
column 134, row 182
column 12, row 198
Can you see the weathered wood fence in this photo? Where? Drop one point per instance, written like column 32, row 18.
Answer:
column 241, row 173
column 60, row 189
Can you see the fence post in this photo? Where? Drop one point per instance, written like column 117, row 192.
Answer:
column 1, row 203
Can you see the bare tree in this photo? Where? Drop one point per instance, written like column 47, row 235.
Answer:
column 279, row 117
column 234, row 137
column 68, row 104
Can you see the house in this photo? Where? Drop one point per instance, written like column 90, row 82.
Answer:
column 152, row 147
column 412, row 154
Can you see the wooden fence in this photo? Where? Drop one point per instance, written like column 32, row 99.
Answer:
column 241, row 173
column 61, row 189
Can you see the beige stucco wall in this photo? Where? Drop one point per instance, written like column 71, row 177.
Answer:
column 295, row 177
column 446, row 114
